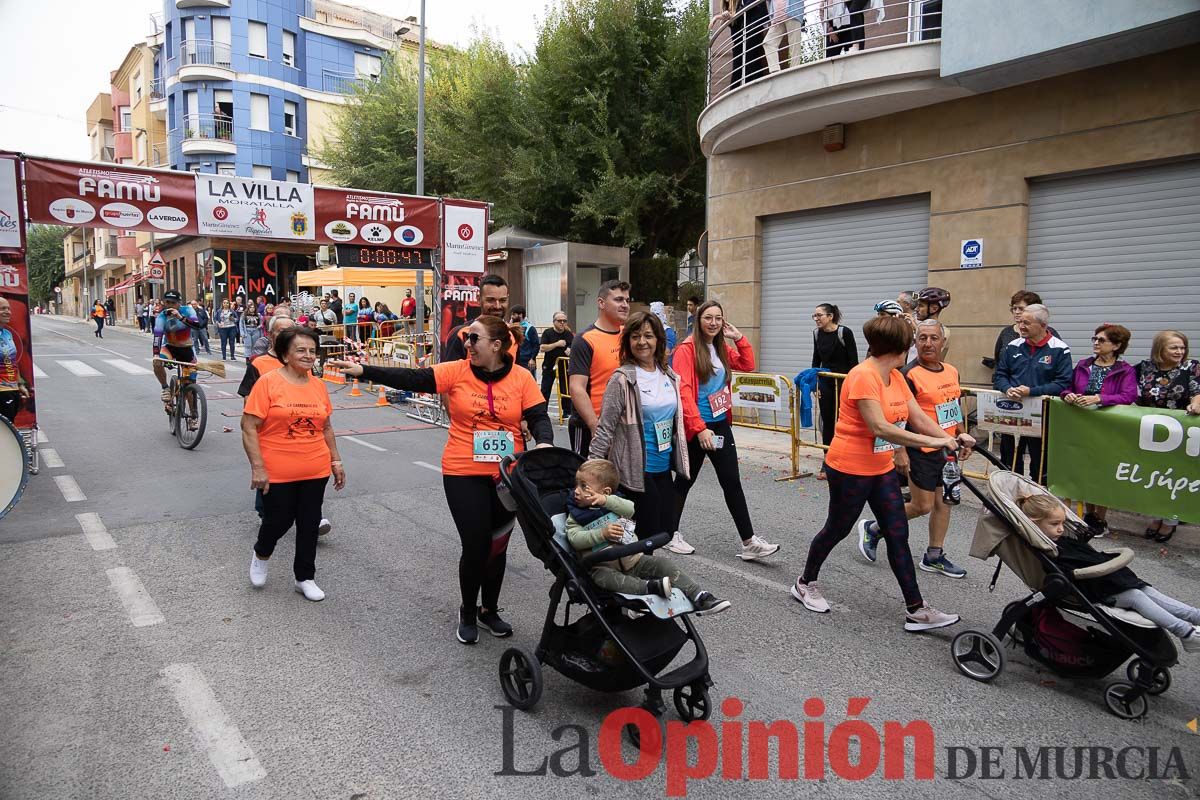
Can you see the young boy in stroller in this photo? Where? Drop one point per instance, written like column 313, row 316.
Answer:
column 1123, row 588
column 594, row 516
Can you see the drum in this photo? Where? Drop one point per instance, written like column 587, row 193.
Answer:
column 14, row 466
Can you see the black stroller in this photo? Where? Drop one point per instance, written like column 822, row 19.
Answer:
column 621, row 641
column 1092, row 640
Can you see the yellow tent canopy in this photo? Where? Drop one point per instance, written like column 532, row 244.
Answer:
column 335, row 277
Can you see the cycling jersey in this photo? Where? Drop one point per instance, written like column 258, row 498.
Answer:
column 175, row 332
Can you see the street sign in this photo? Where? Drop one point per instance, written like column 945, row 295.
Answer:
column 156, row 269
column 971, row 254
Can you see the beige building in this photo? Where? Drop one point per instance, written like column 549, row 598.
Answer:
column 1063, row 139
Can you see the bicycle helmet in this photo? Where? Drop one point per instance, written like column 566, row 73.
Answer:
column 171, row 294
column 889, row 307
column 933, row 294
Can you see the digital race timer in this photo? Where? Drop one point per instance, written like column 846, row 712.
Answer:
column 352, row 255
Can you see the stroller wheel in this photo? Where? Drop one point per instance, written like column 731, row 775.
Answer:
column 692, row 702
column 520, row 678
column 1117, row 698
column 1159, row 679
column 978, row 655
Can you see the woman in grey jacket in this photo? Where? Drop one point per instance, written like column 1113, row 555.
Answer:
column 641, row 424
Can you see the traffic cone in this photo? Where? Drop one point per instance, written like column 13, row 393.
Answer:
column 382, row 401
column 354, row 392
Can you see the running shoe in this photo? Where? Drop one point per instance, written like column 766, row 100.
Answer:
column 496, row 626
column 310, row 590
column 868, row 539
column 678, row 545
column 943, row 566
column 467, row 632
column 708, row 603
column 757, row 547
column 1191, row 642
column 810, row 596
column 325, row 527
column 926, row 618
column 258, row 570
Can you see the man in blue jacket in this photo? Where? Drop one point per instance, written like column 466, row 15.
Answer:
column 1037, row 364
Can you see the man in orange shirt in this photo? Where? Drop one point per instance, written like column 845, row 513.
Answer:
column 493, row 301
column 595, row 355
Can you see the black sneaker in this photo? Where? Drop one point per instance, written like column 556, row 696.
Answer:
column 660, row 587
column 1097, row 527
column 708, row 603
column 491, row 620
column 467, row 632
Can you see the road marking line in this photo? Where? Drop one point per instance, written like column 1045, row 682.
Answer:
column 761, row 581
column 69, row 488
column 428, row 466
column 38, row 372
column 365, row 444
column 139, row 605
column 128, row 366
column 234, row 760
column 97, row 535
column 81, row 369
column 50, row 457
column 41, row 436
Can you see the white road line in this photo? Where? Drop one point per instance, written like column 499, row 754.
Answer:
column 94, row 530
column 81, row 369
column 427, row 466
column 38, row 372
column 228, row 752
column 761, row 581
column 139, row 605
column 365, row 444
column 50, row 457
column 41, row 437
column 69, row 488
column 127, row 366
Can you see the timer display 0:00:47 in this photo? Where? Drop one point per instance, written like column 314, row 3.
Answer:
column 349, row 256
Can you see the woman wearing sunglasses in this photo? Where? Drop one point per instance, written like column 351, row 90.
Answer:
column 1103, row 380
column 487, row 400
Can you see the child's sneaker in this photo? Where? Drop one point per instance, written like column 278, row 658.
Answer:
column 660, row 587
column 708, row 603
column 1191, row 642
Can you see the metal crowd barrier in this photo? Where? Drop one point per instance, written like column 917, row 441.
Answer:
column 752, row 417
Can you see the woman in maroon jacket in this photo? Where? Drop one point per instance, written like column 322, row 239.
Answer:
column 1103, row 380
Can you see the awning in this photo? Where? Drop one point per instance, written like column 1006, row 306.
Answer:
column 122, row 286
column 357, row 276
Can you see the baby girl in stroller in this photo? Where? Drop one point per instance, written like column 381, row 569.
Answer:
column 1122, row 588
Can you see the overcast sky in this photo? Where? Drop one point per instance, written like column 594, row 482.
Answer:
column 57, row 55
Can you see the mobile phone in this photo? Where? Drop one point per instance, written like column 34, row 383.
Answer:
column 718, row 442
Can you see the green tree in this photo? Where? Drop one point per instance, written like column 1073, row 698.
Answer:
column 44, row 257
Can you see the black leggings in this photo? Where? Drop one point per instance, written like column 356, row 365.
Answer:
column 655, row 504
column 827, row 403
column 724, row 462
column 847, row 496
column 99, row 326
column 483, row 526
column 296, row 502
column 549, row 375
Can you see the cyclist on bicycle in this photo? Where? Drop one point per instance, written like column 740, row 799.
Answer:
column 173, row 337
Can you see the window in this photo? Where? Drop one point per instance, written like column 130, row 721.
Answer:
column 367, row 65
column 260, row 112
column 289, row 49
column 226, row 168
column 141, row 148
column 137, row 88
column 261, row 173
column 258, row 39
column 222, row 42
column 293, row 176
column 289, row 118
column 126, row 118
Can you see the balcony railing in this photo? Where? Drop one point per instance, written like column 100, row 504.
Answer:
column 342, row 82
column 208, row 126
column 205, row 52
column 157, row 89
column 765, row 38
column 342, row 16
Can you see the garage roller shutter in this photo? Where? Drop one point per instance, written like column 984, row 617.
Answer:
column 1121, row 247
column 852, row 256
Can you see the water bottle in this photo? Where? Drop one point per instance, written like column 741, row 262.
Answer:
column 951, row 480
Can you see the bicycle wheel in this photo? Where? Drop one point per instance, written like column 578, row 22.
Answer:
column 192, row 413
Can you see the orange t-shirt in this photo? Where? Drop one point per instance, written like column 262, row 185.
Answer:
column 292, row 436
column 265, row 363
column 937, row 394
column 597, row 354
column 479, row 410
column 854, row 449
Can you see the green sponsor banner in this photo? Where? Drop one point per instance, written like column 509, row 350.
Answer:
column 1137, row 459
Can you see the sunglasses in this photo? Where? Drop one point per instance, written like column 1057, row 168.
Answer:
column 1099, row 339
column 473, row 338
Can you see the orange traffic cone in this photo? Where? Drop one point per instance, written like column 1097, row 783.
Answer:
column 354, row 392
column 382, row 401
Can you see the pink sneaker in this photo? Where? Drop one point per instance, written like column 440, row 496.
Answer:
column 810, row 596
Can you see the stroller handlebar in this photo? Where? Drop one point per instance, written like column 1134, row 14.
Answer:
column 611, row 553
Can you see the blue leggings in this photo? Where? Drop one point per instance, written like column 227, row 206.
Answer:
column 847, row 496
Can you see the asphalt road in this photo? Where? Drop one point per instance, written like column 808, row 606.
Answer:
column 138, row 662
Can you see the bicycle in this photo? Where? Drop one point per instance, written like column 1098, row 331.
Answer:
column 187, row 410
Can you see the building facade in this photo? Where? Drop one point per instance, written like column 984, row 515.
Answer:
column 983, row 147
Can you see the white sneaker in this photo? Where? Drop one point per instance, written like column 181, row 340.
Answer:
column 757, row 547
column 926, row 618
column 258, row 570
column 810, row 595
column 1191, row 642
column 310, row 590
column 325, row 527
column 678, row 545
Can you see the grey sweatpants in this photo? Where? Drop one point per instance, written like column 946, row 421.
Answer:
column 1165, row 612
column 647, row 567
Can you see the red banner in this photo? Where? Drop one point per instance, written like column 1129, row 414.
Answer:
column 110, row 196
column 460, row 302
column 349, row 216
column 16, row 357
